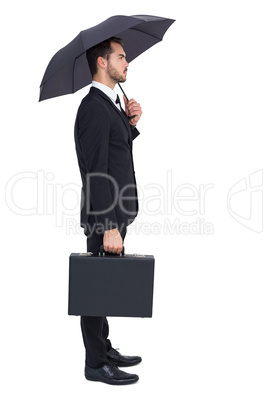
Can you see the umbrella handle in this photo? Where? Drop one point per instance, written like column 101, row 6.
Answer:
column 129, row 117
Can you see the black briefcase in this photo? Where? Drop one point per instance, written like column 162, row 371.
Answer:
column 111, row 285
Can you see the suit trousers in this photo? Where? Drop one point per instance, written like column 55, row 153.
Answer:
column 95, row 330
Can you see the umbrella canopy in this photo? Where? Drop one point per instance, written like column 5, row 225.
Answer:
column 68, row 69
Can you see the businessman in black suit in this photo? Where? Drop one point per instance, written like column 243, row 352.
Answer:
column 103, row 138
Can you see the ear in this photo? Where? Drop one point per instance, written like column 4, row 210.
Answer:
column 101, row 62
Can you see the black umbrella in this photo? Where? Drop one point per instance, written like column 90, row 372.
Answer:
column 68, row 69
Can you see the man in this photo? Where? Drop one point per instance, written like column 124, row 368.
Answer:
column 103, row 138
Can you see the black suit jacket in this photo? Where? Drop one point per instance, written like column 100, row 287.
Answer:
column 103, row 140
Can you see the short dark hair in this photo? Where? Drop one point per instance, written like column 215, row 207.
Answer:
column 103, row 49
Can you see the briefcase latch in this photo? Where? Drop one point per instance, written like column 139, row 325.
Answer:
column 88, row 254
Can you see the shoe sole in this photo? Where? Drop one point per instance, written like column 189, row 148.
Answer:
column 123, row 382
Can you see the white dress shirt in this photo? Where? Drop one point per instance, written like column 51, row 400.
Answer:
column 108, row 91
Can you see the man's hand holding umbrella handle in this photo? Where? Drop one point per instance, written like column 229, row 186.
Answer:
column 133, row 108
column 112, row 241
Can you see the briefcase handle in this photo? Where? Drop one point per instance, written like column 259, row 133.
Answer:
column 102, row 252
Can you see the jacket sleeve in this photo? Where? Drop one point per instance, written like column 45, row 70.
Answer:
column 94, row 132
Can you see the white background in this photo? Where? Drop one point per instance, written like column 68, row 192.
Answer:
column 204, row 96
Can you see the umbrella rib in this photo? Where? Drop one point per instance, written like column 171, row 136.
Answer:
column 139, row 30
column 73, row 74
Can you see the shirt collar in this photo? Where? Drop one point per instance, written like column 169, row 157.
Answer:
column 107, row 90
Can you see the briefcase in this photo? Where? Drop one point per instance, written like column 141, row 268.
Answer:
column 111, row 285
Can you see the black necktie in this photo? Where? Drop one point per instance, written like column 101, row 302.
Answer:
column 118, row 101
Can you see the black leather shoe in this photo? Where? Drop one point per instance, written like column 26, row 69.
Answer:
column 122, row 361
column 110, row 374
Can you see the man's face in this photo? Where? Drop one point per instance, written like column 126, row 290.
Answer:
column 117, row 64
